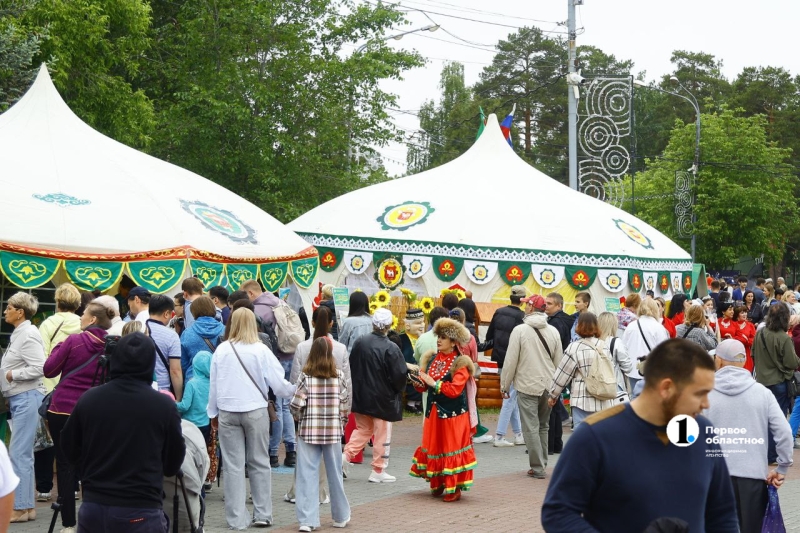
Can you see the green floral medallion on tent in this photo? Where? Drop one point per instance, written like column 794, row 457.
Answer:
column 273, row 275
column 514, row 272
column 688, row 282
column 330, row 258
column 663, row 282
column 446, row 269
column 28, row 271
column 157, row 277
column 238, row 273
column 93, row 275
column 211, row 274
column 304, row 271
column 636, row 279
column 580, row 278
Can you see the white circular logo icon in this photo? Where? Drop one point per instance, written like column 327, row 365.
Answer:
column 683, row 431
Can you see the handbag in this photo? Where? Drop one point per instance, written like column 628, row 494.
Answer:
column 271, row 410
column 45, row 406
column 42, row 439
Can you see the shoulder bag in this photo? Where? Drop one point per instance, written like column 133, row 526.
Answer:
column 273, row 413
column 541, row 338
column 45, row 406
column 163, row 360
column 640, row 364
column 793, row 383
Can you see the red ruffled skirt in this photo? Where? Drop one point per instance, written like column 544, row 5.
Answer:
column 446, row 458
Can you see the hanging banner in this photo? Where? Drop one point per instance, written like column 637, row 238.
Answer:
column 93, row 275
column 389, row 273
column 157, row 277
column 664, row 282
column 28, row 271
column 687, row 283
column 613, row 280
column 580, row 278
column 676, row 282
column 651, row 281
column 447, row 269
column 211, row 274
column 357, row 262
column 514, row 273
column 480, row 272
column 636, row 279
column 329, row 258
column 304, row 271
column 548, row 276
column 238, row 273
column 273, row 275
column 417, row 265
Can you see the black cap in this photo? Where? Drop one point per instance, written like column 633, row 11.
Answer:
column 141, row 292
column 134, row 358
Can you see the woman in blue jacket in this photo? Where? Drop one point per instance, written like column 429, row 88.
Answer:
column 203, row 334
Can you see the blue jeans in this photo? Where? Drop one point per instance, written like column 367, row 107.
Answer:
column 779, row 391
column 578, row 416
column 96, row 518
column 25, row 415
column 283, row 427
column 794, row 420
column 309, row 457
column 509, row 413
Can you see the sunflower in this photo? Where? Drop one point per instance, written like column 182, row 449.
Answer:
column 427, row 304
column 461, row 294
column 382, row 298
column 394, row 323
column 373, row 307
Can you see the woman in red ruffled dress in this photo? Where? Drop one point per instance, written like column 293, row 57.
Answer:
column 446, row 458
column 745, row 333
column 726, row 325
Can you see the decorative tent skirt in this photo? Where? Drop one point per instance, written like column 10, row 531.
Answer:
column 446, row 458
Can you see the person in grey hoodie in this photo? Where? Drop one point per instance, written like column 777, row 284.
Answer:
column 534, row 351
column 738, row 403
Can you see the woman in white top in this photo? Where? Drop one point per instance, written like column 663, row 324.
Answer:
column 574, row 367
column 643, row 336
column 242, row 371
column 619, row 353
column 23, row 387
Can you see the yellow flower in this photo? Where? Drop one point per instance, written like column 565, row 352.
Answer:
column 427, row 304
column 461, row 294
column 382, row 298
column 443, row 292
column 394, row 323
column 373, row 307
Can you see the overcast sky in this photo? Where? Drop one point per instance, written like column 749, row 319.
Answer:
column 741, row 33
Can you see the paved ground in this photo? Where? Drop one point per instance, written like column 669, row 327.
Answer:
column 502, row 499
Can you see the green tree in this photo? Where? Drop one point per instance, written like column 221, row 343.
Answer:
column 745, row 204
column 266, row 98
column 17, row 50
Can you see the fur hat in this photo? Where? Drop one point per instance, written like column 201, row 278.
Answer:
column 452, row 329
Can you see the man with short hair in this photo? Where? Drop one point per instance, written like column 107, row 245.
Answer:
column 599, row 483
column 556, row 317
column 738, row 292
column 379, row 374
column 124, row 437
column 219, row 295
column 582, row 301
column 503, row 323
column 715, row 286
column 192, row 288
column 758, row 291
column 534, row 351
column 167, row 345
column 138, row 304
column 738, row 402
column 283, row 428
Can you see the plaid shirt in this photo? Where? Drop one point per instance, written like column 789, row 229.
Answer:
column 577, row 360
column 320, row 404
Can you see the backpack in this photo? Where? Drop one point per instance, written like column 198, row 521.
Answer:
column 288, row 328
column 601, row 381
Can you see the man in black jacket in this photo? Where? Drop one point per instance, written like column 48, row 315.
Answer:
column 124, row 438
column 556, row 317
column 503, row 323
column 379, row 375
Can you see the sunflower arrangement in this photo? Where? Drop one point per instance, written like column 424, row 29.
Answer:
column 382, row 298
column 427, row 304
column 411, row 296
column 460, row 294
column 373, row 307
column 394, row 323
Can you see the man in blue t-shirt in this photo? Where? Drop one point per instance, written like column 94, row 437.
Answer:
column 168, row 372
column 649, row 461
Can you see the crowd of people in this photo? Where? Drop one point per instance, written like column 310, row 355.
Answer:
column 232, row 376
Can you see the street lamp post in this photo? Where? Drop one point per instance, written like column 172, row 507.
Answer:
column 696, row 165
column 396, row 37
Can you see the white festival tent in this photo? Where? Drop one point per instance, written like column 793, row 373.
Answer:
column 82, row 207
column 485, row 221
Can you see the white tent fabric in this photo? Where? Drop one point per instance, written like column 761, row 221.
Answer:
column 68, row 188
column 489, row 204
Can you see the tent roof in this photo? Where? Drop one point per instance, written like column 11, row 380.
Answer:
column 524, row 214
column 71, row 192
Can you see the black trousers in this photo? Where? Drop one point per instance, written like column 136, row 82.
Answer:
column 751, row 503
column 97, row 518
column 555, row 433
column 66, row 472
column 43, row 469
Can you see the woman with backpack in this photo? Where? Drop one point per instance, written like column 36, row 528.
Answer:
column 575, row 369
column 608, row 323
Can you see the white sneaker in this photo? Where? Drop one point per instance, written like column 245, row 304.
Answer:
column 519, row 440
column 326, row 500
column 383, row 477
column 43, row 497
column 345, row 465
column 286, row 498
column 261, row 523
column 482, row 439
column 305, row 528
column 68, row 530
column 502, row 443
column 341, row 524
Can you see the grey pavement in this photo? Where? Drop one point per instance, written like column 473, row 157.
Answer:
column 503, row 497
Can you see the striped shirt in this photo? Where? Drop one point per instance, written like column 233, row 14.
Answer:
column 577, row 360
column 320, row 404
